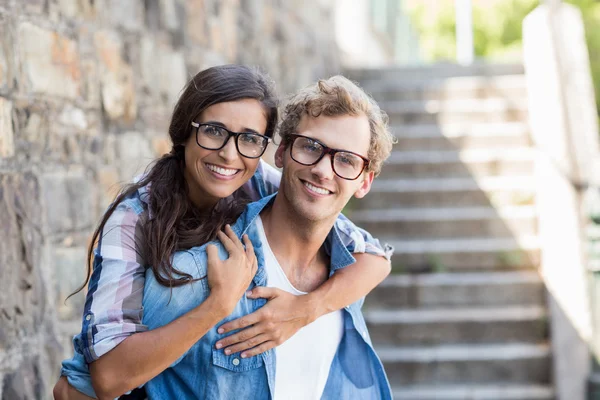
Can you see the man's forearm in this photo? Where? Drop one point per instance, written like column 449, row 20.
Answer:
column 142, row 356
column 349, row 284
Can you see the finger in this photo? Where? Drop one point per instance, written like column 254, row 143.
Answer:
column 259, row 349
column 227, row 243
column 233, row 237
column 241, row 323
column 238, row 337
column 262, row 292
column 249, row 248
column 212, row 253
column 248, row 344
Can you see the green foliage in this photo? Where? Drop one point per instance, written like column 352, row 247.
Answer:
column 590, row 10
column 497, row 32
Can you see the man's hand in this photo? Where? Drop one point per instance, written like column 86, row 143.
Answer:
column 274, row 323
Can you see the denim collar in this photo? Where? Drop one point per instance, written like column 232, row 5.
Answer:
column 339, row 255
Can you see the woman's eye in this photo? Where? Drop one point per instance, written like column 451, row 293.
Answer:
column 250, row 139
column 213, row 131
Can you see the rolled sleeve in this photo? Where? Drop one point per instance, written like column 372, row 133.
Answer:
column 113, row 309
column 357, row 240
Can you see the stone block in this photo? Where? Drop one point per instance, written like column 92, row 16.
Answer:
column 73, row 117
column 163, row 70
column 108, row 178
column 116, row 77
column 169, row 16
column 70, row 269
column 7, row 144
column 126, row 14
column 22, row 300
column 4, row 56
column 91, row 83
column 161, row 145
column 197, row 17
column 25, row 383
column 135, row 152
column 69, row 201
column 50, row 62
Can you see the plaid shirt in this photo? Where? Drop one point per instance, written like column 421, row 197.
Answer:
column 115, row 290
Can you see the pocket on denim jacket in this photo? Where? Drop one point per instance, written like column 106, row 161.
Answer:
column 235, row 362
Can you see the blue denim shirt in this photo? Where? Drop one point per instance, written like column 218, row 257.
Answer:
column 207, row 373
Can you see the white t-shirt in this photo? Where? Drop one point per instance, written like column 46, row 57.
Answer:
column 304, row 360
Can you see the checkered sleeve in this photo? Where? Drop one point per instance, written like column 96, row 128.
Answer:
column 357, row 240
column 264, row 182
column 113, row 308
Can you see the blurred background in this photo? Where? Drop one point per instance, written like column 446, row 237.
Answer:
column 490, row 197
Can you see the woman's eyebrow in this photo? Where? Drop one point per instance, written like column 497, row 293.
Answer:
column 245, row 130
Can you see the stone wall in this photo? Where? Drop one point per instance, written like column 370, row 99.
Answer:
column 86, row 92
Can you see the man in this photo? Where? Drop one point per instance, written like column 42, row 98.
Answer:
column 334, row 140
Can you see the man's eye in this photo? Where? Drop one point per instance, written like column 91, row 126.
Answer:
column 311, row 147
column 347, row 159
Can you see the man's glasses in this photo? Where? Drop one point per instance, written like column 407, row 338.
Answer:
column 345, row 164
column 215, row 137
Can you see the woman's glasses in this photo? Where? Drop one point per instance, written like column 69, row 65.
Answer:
column 215, row 137
column 345, row 164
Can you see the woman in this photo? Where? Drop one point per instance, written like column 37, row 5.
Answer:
column 184, row 200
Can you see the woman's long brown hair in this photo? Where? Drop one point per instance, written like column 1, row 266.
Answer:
column 173, row 222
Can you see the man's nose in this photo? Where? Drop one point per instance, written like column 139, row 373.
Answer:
column 229, row 151
column 323, row 169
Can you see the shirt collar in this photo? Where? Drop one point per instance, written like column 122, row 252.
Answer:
column 339, row 255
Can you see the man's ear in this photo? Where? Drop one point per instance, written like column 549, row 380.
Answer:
column 279, row 156
column 365, row 186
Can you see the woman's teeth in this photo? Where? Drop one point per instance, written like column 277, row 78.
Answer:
column 222, row 171
column 316, row 189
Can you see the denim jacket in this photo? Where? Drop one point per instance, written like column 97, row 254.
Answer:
column 204, row 372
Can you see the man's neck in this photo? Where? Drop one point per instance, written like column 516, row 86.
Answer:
column 297, row 245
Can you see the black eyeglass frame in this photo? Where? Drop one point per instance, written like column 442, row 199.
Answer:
column 235, row 135
column 327, row 150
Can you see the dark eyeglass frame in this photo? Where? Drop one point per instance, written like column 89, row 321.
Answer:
column 235, row 135
column 327, row 150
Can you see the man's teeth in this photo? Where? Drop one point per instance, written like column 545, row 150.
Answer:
column 316, row 189
column 221, row 171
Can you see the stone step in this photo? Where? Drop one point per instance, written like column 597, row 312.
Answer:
column 492, row 110
column 491, row 289
column 449, row 192
column 496, row 391
column 430, row 223
column 467, row 364
column 474, row 325
column 464, row 254
column 506, row 86
column 436, row 71
column 460, row 163
column 461, row 136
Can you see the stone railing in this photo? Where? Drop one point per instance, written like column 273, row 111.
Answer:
column 564, row 129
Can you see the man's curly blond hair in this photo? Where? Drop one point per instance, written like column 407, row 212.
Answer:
column 339, row 96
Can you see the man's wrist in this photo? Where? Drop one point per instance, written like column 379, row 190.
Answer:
column 314, row 307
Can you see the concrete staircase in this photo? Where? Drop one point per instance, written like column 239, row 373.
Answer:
column 463, row 315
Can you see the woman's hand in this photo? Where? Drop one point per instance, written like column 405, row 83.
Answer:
column 274, row 323
column 64, row 391
column 229, row 279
